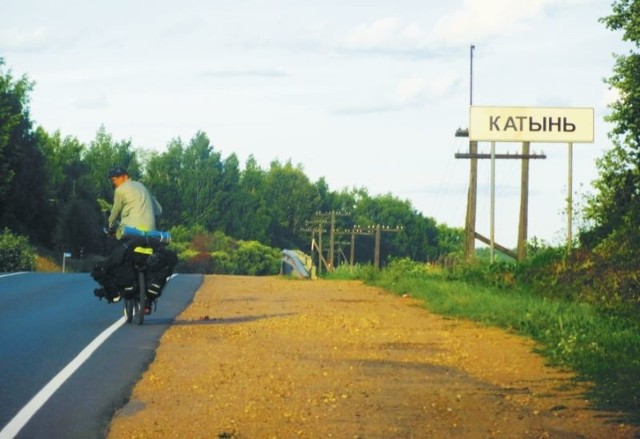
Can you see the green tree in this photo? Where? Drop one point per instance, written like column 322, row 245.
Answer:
column 165, row 179
column 65, row 165
column 335, row 201
column 614, row 209
column 200, row 183
column 26, row 208
column 78, row 223
column 253, row 212
column 103, row 154
column 291, row 200
column 450, row 239
column 417, row 240
column 77, row 229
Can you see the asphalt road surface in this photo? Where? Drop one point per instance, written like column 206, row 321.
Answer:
column 68, row 360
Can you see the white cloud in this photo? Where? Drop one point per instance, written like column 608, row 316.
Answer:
column 386, row 34
column 92, row 102
column 479, row 19
column 14, row 39
column 474, row 21
column 420, row 89
column 409, row 93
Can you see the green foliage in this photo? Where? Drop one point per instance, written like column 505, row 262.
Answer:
column 615, row 207
column 16, row 254
column 76, row 229
column 607, row 275
column 183, row 233
column 199, row 183
column 499, row 274
column 164, row 178
column 419, row 238
column 450, row 240
column 215, row 253
column 255, row 259
column 291, row 200
column 23, row 184
column 366, row 272
column 222, row 263
column 103, row 154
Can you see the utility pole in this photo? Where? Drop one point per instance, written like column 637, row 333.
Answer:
column 522, row 233
column 470, row 220
column 371, row 231
column 320, row 219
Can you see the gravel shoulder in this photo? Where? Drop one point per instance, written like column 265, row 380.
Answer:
column 271, row 357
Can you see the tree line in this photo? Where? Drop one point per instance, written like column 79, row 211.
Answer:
column 54, row 189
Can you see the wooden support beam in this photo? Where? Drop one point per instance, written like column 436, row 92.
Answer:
column 499, row 247
column 464, row 155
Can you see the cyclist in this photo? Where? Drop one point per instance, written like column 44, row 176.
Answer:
column 133, row 206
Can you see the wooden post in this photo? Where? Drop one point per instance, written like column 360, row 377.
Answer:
column 352, row 251
column 376, row 255
column 470, row 222
column 570, row 201
column 320, row 256
column 332, row 240
column 492, row 229
column 524, row 204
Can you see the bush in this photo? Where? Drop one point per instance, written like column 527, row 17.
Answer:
column 222, row 263
column 218, row 254
column 200, row 263
column 16, row 254
column 256, row 259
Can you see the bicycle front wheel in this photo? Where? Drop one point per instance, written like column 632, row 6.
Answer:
column 129, row 306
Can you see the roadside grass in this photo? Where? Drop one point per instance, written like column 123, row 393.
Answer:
column 601, row 346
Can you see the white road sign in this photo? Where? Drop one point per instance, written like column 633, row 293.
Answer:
column 531, row 124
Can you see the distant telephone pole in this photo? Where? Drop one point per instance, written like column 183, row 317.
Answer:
column 375, row 231
column 320, row 219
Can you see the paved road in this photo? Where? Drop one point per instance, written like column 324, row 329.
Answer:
column 46, row 321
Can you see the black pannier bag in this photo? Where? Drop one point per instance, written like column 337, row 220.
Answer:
column 117, row 274
column 160, row 267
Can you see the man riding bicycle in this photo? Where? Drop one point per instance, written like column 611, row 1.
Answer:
column 133, row 206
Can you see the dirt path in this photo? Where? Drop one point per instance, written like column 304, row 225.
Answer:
column 278, row 358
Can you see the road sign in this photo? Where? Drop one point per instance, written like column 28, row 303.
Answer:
column 531, row 124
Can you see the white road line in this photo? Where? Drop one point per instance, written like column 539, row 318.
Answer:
column 19, row 421
column 13, row 274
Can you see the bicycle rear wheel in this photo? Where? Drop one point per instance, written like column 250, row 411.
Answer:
column 140, row 300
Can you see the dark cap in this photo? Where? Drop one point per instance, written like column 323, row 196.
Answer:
column 117, row 172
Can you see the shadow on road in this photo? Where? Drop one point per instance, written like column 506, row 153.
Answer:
column 206, row 320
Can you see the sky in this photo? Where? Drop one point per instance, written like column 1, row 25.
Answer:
column 365, row 93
